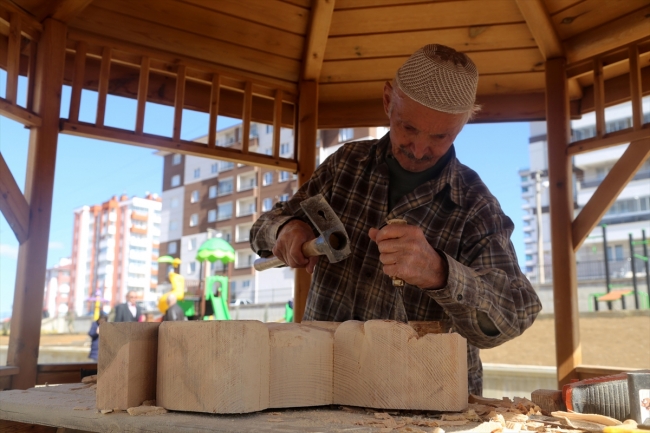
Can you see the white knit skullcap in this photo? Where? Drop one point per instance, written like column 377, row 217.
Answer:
column 440, row 78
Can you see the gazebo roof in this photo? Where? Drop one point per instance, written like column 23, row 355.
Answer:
column 351, row 47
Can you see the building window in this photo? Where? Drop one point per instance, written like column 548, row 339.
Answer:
column 197, row 173
column 285, row 149
column 194, row 220
column 269, row 129
column 174, row 202
column 176, row 180
column 227, row 165
column 191, row 267
column 225, row 186
column 243, row 232
column 284, row 176
column 615, row 253
column 212, row 215
column 267, row 203
column 346, row 134
column 173, row 225
column 176, row 159
column 191, row 244
column 268, row 178
column 245, row 284
column 212, row 191
column 214, row 168
column 284, row 197
column 224, row 211
column 172, row 248
column 194, row 198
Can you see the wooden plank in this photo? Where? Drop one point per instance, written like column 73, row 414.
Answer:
column 126, row 368
column 32, row 255
column 13, row 205
column 246, row 117
column 13, row 58
column 215, row 25
column 487, row 62
column 481, row 38
column 225, row 370
column 8, row 370
column 185, row 147
column 353, row 4
column 19, row 114
column 78, row 81
column 555, row 6
column 66, row 10
column 279, row 15
column 590, row 14
column 179, row 102
column 549, row 400
column 31, row 74
column 541, row 27
column 301, row 365
column 565, row 293
column 591, row 371
column 635, row 87
column 159, row 37
column 277, row 124
column 605, row 195
column 599, row 97
column 306, row 155
column 609, row 140
column 18, row 427
column 104, row 78
column 616, row 33
column 31, row 27
column 214, row 109
column 143, row 89
column 617, row 90
column 412, row 17
column 321, row 18
column 385, row 365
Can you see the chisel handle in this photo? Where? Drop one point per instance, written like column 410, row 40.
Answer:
column 397, row 282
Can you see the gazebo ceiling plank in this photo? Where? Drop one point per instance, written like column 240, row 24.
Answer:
column 102, row 21
column 554, row 6
column 317, row 39
column 616, row 69
column 614, row 34
column 541, row 26
column 352, row 4
column 302, row 3
column 487, row 62
column 522, row 82
column 592, row 13
column 279, row 15
column 466, row 39
column 424, row 17
column 66, row 10
column 216, row 25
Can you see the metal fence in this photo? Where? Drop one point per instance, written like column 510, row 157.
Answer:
column 595, row 270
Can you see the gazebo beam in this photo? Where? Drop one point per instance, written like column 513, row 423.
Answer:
column 32, row 255
column 13, row 205
column 66, row 10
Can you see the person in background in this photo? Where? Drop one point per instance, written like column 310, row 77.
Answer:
column 174, row 312
column 129, row 311
column 94, row 335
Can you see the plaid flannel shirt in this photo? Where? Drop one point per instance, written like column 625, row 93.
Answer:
column 460, row 218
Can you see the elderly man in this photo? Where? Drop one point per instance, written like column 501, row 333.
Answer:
column 454, row 254
column 174, row 311
column 129, row 311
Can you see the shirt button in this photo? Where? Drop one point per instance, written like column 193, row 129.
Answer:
column 459, row 298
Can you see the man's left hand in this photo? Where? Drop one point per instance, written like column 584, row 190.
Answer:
column 406, row 254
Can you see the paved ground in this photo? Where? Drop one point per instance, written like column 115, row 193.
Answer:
column 612, row 339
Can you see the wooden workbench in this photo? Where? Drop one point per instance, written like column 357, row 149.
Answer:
column 72, row 406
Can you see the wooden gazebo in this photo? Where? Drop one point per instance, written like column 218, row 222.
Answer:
column 309, row 64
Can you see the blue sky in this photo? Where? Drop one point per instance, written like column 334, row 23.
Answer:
column 90, row 171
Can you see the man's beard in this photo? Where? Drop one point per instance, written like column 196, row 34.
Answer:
column 407, row 153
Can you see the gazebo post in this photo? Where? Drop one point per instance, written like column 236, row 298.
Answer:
column 32, row 255
column 307, row 133
column 565, row 290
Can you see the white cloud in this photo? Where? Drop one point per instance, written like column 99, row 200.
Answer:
column 10, row 251
column 54, row 245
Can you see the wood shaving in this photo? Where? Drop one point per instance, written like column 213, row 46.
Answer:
column 148, row 403
column 600, row 419
column 80, row 408
column 146, row 410
column 275, row 420
column 437, row 430
column 488, row 427
column 516, row 426
column 454, row 417
column 89, row 379
column 105, row 411
column 411, row 430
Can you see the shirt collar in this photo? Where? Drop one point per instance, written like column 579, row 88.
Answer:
column 448, row 176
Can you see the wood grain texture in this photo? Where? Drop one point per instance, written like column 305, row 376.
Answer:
column 301, row 365
column 215, row 366
column 13, row 205
column 383, row 364
column 126, row 368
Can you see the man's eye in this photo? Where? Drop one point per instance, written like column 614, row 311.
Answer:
column 410, row 128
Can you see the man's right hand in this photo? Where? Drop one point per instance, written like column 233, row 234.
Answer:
column 288, row 245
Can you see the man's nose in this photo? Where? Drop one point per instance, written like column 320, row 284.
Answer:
column 420, row 148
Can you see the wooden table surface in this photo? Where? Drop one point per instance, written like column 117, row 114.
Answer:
column 72, row 406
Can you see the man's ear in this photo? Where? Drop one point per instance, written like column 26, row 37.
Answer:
column 388, row 95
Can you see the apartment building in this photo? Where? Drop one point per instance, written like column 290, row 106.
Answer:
column 630, row 214
column 205, row 198
column 57, row 288
column 115, row 249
